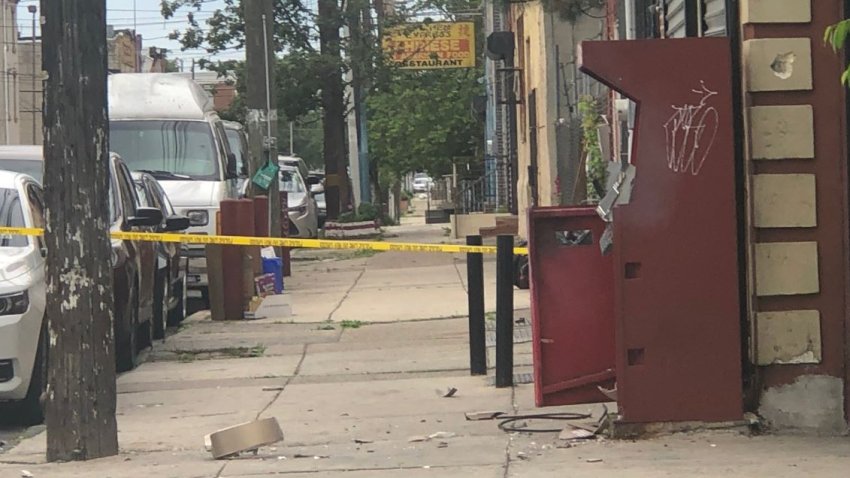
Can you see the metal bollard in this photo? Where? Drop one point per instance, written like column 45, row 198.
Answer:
column 504, row 311
column 475, row 294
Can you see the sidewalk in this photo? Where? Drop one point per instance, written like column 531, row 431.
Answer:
column 350, row 397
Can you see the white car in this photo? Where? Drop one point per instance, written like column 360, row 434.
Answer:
column 303, row 210
column 23, row 334
column 422, row 184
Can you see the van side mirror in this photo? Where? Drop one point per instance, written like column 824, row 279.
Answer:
column 176, row 223
column 146, row 217
column 232, row 172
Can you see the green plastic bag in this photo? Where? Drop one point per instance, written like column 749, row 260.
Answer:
column 266, row 175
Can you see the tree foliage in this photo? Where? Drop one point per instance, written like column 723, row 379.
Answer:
column 423, row 120
column 836, row 36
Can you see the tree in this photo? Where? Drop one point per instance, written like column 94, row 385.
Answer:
column 423, row 120
column 81, row 393
column 171, row 66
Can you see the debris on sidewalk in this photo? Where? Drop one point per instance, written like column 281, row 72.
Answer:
column 448, row 393
column 361, row 441
column 594, row 460
column 610, row 393
column 26, row 474
column 486, row 415
column 433, row 436
column 273, row 389
column 248, row 436
column 574, row 433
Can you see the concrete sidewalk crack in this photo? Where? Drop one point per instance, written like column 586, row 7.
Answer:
column 286, row 383
column 347, row 293
column 460, row 276
column 515, row 410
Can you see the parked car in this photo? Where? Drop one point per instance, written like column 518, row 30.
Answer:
column 422, row 183
column 133, row 262
column 298, row 163
column 170, row 281
column 24, row 160
column 322, row 208
column 23, row 330
column 303, row 213
column 166, row 125
column 134, row 267
column 238, row 141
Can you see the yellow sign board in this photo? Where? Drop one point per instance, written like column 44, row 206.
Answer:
column 431, row 46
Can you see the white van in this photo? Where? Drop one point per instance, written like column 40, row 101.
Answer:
column 165, row 124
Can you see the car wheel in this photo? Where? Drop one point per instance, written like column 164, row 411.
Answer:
column 160, row 304
column 31, row 408
column 126, row 350
column 178, row 313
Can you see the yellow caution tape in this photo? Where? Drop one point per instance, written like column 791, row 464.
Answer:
column 282, row 242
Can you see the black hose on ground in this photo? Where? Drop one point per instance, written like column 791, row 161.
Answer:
column 507, row 420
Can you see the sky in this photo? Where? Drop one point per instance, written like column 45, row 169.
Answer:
column 149, row 23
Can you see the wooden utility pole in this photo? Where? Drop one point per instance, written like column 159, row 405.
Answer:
column 337, row 188
column 80, row 397
column 260, row 62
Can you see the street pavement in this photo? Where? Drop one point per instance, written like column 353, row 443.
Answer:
column 361, row 399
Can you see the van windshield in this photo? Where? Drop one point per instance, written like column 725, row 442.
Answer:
column 168, row 149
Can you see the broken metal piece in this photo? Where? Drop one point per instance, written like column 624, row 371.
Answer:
column 488, row 415
column 611, row 394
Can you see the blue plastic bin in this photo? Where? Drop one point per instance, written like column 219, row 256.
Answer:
column 274, row 265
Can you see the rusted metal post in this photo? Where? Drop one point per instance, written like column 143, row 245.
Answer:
column 237, row 219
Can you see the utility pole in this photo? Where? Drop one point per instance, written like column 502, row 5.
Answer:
column 33, row 9
column 81, row 394
column 333, row 104
column 261, row 100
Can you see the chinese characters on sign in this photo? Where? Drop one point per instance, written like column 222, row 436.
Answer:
column 431, row 46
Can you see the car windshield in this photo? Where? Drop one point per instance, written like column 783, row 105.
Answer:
column 28, row 167
column 167, row 149
column 236, row 148
column 11, row 215
column 290, row 181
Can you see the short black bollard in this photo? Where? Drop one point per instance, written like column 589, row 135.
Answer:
column 475, row 293
column 504, row 311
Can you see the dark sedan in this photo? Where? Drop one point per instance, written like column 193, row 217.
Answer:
column 170, row 283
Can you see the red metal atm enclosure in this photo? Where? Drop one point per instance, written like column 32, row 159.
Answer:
column 676, row 332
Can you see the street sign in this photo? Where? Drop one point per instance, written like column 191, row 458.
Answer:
column 437, row 45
